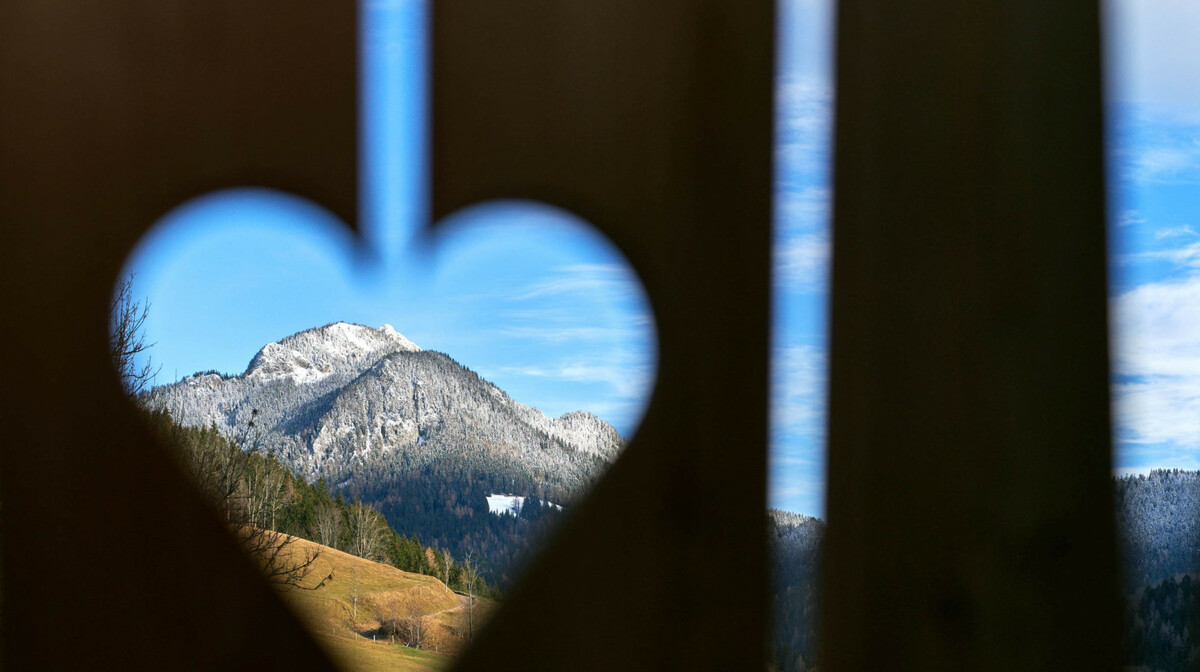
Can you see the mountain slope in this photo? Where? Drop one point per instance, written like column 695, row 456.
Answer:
column 407, row 430
column 795, row 542
column 335, row 399
column 1158, row 516
column 352, row 631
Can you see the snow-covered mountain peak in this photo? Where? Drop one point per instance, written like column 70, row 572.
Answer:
column 314, row 354
column 346, row 399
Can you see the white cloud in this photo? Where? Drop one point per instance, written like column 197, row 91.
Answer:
column 1174, row 232
column 1186, row 256
column 802, row 263
column 798, row 392
column 1156, row 333
column 612, row 280
column 805, row 209
column 564, row 334
column 1174, row 163
column 804, row 105
column 1157, row 415
column 802, row 193
column 1157, row 329
column 1130, row 218
column 629, row 379
column 804, row 109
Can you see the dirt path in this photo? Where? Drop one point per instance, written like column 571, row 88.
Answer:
column 462, row 604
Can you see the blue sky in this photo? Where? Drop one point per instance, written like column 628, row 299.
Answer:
column 528, row 296
column 1153, row 111
column 1154, row 246
column 545, row 307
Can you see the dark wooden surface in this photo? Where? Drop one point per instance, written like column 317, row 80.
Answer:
column 652, row 120
column 969, row 496
column 969, row 510
column 113, row 113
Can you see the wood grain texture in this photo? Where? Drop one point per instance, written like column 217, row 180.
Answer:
column 652, row 120
column 113, row 114
column 969, row 494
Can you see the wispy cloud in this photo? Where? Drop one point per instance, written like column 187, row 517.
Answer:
column 803, row 131
column 1184, row 256
column 1150, row 147
column 560, row 324
column 554, row 334
column 798, row 391
column 1175, row 232
column 803, row 209
column 1130, row 218
column 802, row 263
column 628, row 378
column 611, row 279
column 802, row 192
column 804, row 104
column 1156, row 331
column 1166, row 164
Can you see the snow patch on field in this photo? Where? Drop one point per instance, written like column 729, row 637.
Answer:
column 510, row 504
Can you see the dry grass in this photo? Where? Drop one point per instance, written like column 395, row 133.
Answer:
column 356, row 643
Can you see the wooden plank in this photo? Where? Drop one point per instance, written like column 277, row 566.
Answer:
column 652, row 120
column 113, row 114
column 969, row 493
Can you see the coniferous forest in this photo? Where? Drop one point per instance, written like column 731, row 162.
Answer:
column 430, row 520
column 289, row 506
column 369, row 445
column 1158, row 525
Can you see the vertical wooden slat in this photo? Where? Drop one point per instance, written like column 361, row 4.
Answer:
column 969, row 496
column 112, row 114
column 652, row 120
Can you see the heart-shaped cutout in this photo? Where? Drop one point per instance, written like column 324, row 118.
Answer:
column 528, row 296
column 534, row 300
column 539, row 304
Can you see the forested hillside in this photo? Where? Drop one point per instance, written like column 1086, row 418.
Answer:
column 253, row 490
column 1162, row 623
column 795, row 544
column 1159, row 520
column 411, row 432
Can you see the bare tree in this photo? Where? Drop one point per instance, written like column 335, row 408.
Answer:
column 415, row 626
column 252, row 516
column 368, row 532
column 265, row 494
column 127, row 341
column 283, row 563
column 447, row 565
column 470, row 574
column 247, row 493
column 214, row 464
column 354, row 594
column 328, row 525
column 410, row 630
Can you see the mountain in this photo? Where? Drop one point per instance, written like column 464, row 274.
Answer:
column 334, row 400
column 1158, row 516
column 795, row 542
column 409, row 430
column 1158, row 534
column 1158, row 520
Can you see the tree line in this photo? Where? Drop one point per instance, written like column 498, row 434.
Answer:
column 267, row 508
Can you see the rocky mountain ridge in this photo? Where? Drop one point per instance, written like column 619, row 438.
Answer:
column 344, row 400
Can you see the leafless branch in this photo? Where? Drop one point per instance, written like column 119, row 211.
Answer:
column 127, row 339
